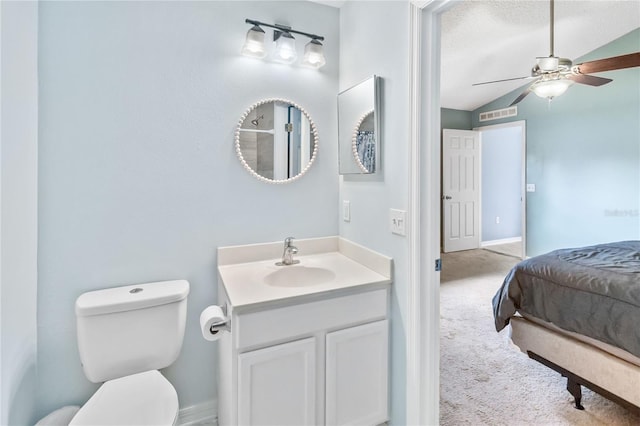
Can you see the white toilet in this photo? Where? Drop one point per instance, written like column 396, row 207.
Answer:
column 125, row 334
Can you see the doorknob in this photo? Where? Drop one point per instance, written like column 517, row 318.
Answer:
column 446, row 197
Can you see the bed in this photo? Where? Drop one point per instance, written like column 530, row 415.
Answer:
column 578, row 311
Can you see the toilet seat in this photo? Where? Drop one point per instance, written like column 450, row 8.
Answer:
column 139, row 399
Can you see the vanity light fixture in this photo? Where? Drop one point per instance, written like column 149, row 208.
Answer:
column 285, row 49
column 314, row 54
column 254, row 43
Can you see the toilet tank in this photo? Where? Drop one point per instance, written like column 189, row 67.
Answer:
column 131, row 329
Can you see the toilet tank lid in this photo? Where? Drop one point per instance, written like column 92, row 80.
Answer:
column 130, row 297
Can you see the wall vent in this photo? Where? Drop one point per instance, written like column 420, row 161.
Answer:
column 499, row 113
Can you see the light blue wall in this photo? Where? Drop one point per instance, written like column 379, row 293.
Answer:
column 18, row 212
column 139, row 180
column 501, row 183
column 455, row 119
column 367, row 48
column 583, row 155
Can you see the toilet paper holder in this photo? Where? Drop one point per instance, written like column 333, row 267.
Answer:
column 224, row 325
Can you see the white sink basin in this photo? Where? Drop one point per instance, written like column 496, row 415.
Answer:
column 298, row 275
column 250, row 277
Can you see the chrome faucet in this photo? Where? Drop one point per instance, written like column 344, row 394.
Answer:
column 287, row 254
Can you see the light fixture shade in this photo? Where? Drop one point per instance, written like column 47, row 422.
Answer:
column 285, row 48
column 551, row 88
column 254, row 43
column 314, row 54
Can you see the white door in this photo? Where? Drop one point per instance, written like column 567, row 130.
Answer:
column 460, row 189
column 357, row 375
column 277, row 385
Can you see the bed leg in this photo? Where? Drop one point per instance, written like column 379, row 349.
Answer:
column 575, row 390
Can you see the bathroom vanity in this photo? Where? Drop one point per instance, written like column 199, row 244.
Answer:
column 307, row 343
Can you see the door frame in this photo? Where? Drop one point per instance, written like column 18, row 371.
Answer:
column 423, row 317
column 423, row 323
column 522, row 124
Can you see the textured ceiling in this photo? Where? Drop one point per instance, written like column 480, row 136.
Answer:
column 332, row 3
column 486, row 40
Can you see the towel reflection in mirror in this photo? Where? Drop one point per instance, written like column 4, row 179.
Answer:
column 364, row 143
column 366, row 150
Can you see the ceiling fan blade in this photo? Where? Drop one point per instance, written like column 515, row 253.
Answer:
column 590, row 80
column 500, row 81
column 610, row 64
column 522, row 96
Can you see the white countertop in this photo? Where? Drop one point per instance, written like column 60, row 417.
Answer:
column 350, row 266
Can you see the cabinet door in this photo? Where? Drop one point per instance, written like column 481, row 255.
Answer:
column 357, row 375
column 277, row 385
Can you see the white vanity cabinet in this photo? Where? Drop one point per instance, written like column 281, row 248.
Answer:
column 356, row 375
column 306, row 343
column 277, row 384
column 317, row 361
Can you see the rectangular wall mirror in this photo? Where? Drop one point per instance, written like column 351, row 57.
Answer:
column 359, row 128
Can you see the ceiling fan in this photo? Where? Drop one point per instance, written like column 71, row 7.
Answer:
column 554, row 75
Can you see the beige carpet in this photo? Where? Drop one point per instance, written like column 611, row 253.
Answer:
column 486, row 380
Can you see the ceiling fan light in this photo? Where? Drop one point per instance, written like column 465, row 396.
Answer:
column 254, row 43
column 551, row 88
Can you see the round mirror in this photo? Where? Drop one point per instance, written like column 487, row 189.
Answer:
column 363, row 143
column 276, row 140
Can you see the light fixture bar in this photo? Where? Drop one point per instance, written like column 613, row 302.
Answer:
column 284, row 28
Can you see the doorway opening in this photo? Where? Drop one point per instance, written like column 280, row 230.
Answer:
column 483, row 189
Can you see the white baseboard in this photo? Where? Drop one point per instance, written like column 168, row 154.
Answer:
column 502, row 241
column 205, row 413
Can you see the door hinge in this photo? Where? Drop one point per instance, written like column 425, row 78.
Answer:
column 288, row 127
column 438, row 265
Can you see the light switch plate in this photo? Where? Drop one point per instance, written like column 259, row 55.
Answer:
column 346, row 211
column 398, row 221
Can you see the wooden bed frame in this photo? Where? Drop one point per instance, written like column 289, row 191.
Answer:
column 581, row 363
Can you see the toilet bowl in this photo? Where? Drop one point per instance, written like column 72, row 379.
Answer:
column 125, row 334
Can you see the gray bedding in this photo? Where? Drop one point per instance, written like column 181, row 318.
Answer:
column 593, row 291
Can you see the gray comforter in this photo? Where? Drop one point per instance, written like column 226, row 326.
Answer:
column 593, row 291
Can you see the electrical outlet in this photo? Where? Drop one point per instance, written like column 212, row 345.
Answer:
column 531, row 187
column 497, row 219
column 398, row 221
column 346, row 211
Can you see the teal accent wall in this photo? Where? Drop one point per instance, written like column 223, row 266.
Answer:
column 583, row 155
column 455, row 119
